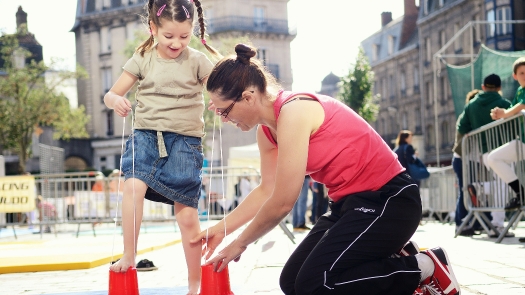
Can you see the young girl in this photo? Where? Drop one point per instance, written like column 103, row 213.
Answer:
column 163, row 157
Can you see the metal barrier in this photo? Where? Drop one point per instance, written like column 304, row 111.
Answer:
column 439, row 193
column 91, row 198
column 492, row 193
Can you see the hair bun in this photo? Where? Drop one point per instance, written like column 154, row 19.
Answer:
column 244, row 53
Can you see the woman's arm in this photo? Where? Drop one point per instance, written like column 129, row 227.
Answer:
column 297, row 122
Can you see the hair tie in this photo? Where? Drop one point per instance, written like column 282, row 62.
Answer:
column 203, row 41
column 159, row 12
column 186, row 11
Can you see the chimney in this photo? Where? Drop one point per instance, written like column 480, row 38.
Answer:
column 386, row 17
column 411, row 8
column 21, row 18
column 409, row 21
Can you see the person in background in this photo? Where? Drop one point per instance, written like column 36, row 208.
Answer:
column 476, row 114
column 406, row 154
column 299, row 209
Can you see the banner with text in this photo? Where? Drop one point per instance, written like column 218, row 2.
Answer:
column 17, row 193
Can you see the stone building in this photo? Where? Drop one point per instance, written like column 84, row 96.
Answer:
column 103, row 27
column 415, row 90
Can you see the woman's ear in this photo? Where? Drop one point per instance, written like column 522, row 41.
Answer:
column 249, row 96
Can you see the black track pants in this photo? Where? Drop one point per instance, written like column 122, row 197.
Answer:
column 348, row 250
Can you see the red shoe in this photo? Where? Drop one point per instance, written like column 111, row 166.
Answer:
column 418, row 291
column 442, row 281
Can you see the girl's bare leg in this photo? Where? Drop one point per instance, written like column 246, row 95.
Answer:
column 188, row 221
column 131, row 205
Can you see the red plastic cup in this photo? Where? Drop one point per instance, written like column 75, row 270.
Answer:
column 123, row 283
column 215, row 283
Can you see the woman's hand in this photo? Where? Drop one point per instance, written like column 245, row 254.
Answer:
column 210, row 239
column 232, row 252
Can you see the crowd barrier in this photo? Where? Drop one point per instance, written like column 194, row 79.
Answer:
column 491, row 192
column 439, row 194
column 92, row 198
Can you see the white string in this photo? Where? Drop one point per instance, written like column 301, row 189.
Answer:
column 222, row 181
column 210, row 182
column 118, row 188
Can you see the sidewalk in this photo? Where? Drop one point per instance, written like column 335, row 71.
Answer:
column 481, row 265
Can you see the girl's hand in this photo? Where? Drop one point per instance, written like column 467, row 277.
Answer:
column 232, row 252
column 210, row 239
column 121, row 106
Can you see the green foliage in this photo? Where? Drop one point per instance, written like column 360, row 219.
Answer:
column 356, row 89
column 28, row 100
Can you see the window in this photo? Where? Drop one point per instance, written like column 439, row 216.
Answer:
column 109, row 123
column 404, row 121
column 442, row 38
column 391, row 44
column 258, row 16
column 430, row 138
column 418, row 117
column 428, row 49
column 429, row 93
column 385, row 92
column 416, row 77
column 105, row 40
column 392, row 87
column 457, row 40
column 491, row 27
column 403, row 83
column 106, row 80
column 375, row 52
column 503, row 14
column 116, row 3
column 445, row 133
column 476, row 31
column 426, row 7
column 261, row 55
column 90, row 6
column 441, row 3
column 444, row 88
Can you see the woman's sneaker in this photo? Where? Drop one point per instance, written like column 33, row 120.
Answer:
column 442, row 281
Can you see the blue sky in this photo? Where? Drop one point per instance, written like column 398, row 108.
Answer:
column 328, row 36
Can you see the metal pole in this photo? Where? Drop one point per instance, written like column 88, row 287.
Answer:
column 436, row 128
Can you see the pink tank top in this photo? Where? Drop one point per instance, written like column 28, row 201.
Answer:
column 345, row 154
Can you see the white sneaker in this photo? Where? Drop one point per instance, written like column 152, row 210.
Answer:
column 492, row 234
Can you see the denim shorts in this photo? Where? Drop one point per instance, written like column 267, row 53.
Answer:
column 175, row 177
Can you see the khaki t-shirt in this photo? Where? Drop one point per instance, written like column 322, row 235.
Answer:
column 169, row 95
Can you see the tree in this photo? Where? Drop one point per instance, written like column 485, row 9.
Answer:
column 356, row 89
column 28, row 101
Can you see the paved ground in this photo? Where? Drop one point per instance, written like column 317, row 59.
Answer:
column 481, row 265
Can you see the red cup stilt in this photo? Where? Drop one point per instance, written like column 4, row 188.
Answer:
column 215, row 283
column 123, row 283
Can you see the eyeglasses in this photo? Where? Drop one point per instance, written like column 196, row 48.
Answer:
column 227, row 110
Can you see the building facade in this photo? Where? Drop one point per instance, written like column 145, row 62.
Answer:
column 415, row 89
column 102, row 29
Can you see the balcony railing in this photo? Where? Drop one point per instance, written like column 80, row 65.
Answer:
column 249, row 24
